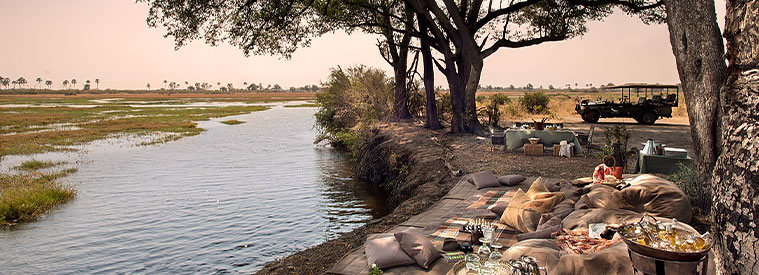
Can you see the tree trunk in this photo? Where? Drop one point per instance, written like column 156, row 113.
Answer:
column 472, row 122
column 432, row 120
column 735, row 179
column 400, row 106
column 698, row 49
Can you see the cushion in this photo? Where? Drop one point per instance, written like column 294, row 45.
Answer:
column 646, row 194
column 513, row 209
column 524, row 214
column 417, row 247
column 485, row 179
column 384, row 251
column 498, row 208
column 511, row 180
column 537, row 187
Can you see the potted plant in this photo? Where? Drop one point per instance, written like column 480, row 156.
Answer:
column 616, row 147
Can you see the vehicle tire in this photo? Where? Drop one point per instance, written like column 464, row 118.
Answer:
column 649, row 118
column 591, row 116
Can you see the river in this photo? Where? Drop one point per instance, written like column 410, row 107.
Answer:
column 225, row 201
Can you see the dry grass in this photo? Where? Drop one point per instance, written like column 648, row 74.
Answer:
column 34, row 165
column 562, row 104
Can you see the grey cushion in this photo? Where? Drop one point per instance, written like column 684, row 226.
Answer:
column 498, row 208
column 418, row 247
column 384, row 250
column 485, row 179
column 511, row 180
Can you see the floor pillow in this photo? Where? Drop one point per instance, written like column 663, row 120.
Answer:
column 511, row 180
column 485, row 179
column 384, row 251
column 417, row 247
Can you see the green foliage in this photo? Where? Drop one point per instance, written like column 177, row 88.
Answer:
column 444, row 105
column 375, row 270
column 24, row 197
column 232, row 122
column 616, row 134
column 34, row 165
column 536, row 102
column 686, row 178
column 493, row 108
column 351, row 100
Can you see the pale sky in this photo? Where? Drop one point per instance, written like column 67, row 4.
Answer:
column 109, row 40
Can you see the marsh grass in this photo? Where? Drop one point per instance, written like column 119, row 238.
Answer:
column 36, row 165
column 21, row 133
column 27, row 196
column 304, row 105
column 232, row 122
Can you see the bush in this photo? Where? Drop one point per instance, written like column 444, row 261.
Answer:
column 444, row 105
column 350, row 100
column 536, row 102
column 493, row 108
column 687, row 179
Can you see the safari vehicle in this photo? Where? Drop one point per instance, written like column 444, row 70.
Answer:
column 644, row 102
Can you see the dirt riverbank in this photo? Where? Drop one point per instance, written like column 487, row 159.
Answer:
column 415, row 164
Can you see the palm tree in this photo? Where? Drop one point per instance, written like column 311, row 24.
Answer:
column 164, row 83
column 148, row 86
column 14, row 82
column 73, row 83
column 245, row 85
column 87, row 84
column 39, row 82
column 65, row 83
column 21, row 81
column 49, row 84
column 218, row 84
column 97, row 83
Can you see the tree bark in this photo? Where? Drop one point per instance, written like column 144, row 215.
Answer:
column 400, row 106
column 735, row 179
column 432, row 120
column 698, row 49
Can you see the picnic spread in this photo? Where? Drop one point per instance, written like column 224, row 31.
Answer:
column 492, row 225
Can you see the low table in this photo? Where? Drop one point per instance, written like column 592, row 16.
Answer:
column 660, row 164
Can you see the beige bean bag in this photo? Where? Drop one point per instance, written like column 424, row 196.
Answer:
column 646, row 194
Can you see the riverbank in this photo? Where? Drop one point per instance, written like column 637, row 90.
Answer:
column 416, row 165
column 406, row 160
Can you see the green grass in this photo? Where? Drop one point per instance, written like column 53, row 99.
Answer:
column 303, row 105
column 27, row 196
column 232, row 122
column 36, row 165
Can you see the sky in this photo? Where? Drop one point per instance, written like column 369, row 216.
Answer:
column 110, row 40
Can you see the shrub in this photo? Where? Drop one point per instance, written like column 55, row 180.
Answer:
column 493, row 108
column 444, row 105
column 351, row 99
column 536, row 102
column 686, row 178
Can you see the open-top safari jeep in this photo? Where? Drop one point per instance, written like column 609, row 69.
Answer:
column 648, row 103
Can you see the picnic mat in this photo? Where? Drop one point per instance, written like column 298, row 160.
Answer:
column 490, row 198
column 505, row 235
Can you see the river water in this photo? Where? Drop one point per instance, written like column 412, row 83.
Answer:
column 226, row 201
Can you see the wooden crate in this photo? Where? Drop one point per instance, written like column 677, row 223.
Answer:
column 533, row 149
column 557, row 148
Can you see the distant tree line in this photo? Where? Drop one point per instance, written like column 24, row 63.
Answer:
column 71, row 84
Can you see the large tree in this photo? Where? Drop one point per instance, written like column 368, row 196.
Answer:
column 735, row 179
column 723, row 104
column 698, row 49
column 467, row 32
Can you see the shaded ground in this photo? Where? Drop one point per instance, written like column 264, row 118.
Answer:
column 429, row 156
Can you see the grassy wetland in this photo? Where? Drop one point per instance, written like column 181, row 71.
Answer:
column 34, row 124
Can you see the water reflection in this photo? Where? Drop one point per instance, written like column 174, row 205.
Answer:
column 228, row 200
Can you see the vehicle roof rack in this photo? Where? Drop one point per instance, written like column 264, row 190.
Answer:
column 643, row 86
